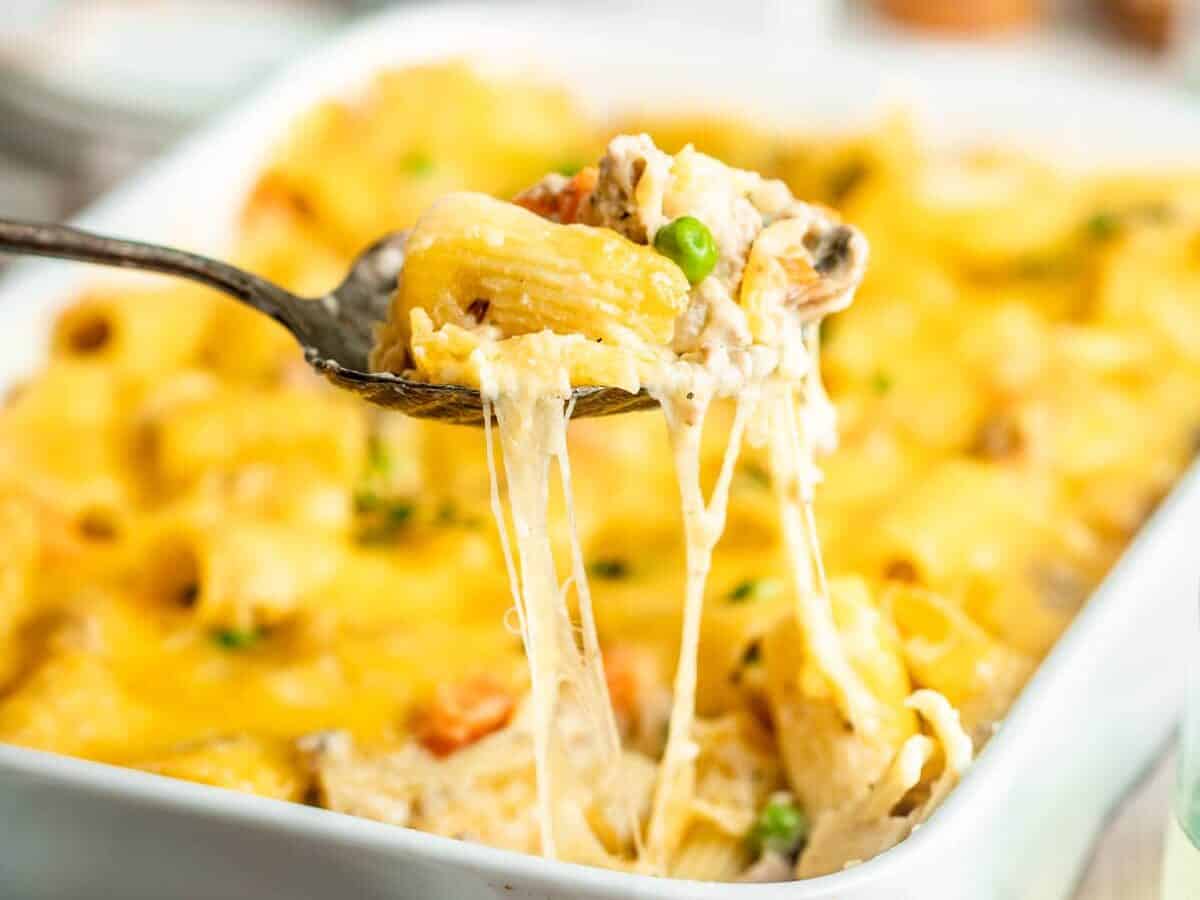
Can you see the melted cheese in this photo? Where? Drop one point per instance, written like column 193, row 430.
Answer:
column 525, row 377
column 792, row 426
column 532, row 410
column 567, row 680
column 703, row 524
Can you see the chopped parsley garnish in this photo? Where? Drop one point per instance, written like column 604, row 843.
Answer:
column 381, row 516
column 417, row 164
column 379, row 460
column 366, row 501
column 386, row 519
column 781, row 827
column 569, row 167
column 881, row 382
column 1103, row 226
column 612, row 569
column 237, row 638
column 755, row 589
column 1107, row 224
column 450, row 516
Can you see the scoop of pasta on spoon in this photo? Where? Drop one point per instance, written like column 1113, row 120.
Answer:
column 338, row 331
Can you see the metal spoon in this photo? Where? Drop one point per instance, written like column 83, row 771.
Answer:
column 336, row 331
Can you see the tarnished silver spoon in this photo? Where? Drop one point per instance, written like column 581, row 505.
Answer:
column 336, row 331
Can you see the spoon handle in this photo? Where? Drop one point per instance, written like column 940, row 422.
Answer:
column 64, row 242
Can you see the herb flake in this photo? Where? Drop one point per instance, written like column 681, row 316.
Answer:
column 237, row 638
column 379, row 459
column 1103, row 226
column 610, row 569
column 755, row 589
column 418, row 164
column 385, row 520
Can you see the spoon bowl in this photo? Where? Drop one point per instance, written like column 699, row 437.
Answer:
column 336, row 331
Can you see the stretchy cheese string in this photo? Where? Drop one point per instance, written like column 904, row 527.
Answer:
column 794, row 474
column 566, row 681
column 593, row 659
column 703, row 525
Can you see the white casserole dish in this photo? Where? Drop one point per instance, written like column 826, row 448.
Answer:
column 1021, row 823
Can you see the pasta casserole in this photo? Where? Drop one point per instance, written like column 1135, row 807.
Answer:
column 728, row 646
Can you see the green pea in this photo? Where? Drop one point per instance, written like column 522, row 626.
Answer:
column 781, row 827
column 689, row 244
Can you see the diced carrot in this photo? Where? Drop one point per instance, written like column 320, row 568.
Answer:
column 538, row 200
column 799, row 271
column 629, row 671
column 622, row 683
column 460, row 714
column 560, row 206
column 580, row 187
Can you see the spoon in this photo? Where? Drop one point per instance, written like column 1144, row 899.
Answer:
column 336, row 331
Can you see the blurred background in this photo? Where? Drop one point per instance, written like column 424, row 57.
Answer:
column 89, row 89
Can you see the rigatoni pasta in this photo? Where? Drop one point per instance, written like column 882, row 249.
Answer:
column 472, row 260
column 240, row 575
column 151, row 331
